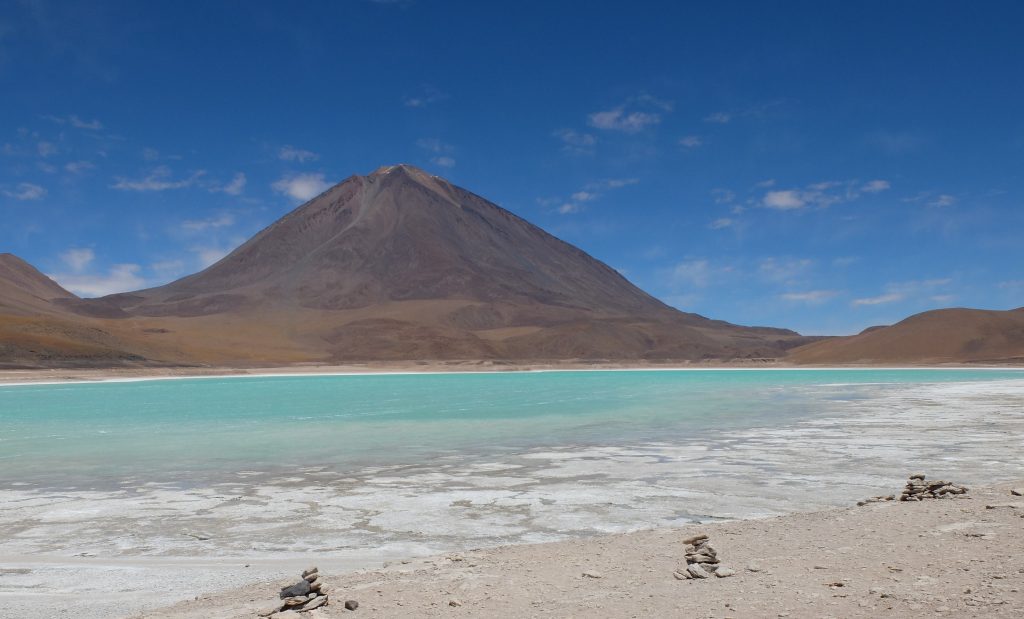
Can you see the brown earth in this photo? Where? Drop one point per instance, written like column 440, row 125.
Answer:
column 940, row 336
column 396, row 265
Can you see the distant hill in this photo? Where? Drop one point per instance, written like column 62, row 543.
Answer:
column 940, row 336
column 402, row 265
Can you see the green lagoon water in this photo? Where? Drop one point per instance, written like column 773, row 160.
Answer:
column 200, row 431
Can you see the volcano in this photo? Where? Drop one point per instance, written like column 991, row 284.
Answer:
column 403, row 265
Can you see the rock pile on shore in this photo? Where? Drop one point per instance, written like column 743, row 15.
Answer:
column 305, row 595
column 918, row 489
column 701, row 560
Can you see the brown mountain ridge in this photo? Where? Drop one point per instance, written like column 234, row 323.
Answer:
column 395, row 265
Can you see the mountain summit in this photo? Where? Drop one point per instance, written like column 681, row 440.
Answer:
column 403, row 265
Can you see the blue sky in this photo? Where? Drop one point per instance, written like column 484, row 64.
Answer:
column 818, row 166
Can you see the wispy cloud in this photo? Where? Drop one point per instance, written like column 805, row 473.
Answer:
column 427, row 95
column 76, row 122
column 159, row 179
column 914, row 290
column 812, row 297
column 691, row 141
column 943, row 200
column 821, row 195
column 720, row 118
column 45, row 149
column 200, row 225
column 783, row 270
column 78, row 167
column 78, row 259
column 25, row 191
column 442, row 151
column 591, row 192
column 234, row 188
column 721, row 223
column 301, row 187
column 619, row 119
column 290, row 153
column 875, row 186
column 575, row 142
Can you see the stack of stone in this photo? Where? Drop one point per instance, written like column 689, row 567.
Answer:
column 878, row 499
column 701, row 560
column 305, row 595
column 918, row 489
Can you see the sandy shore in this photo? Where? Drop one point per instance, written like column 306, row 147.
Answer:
column 961, row 557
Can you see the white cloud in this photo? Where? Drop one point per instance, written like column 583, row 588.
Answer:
column 157, row 180
column 576, row 142
column 434, row 145
column 810, row 296
column 615, row 183
column 696, row 273
column 879, row 300
column 120, row 278
column 93, row 125
column 720, row 223
column 875, row 186
column 943, row 200
column 691, row 141
column 26, row 191
column 718, row 117
column 290, row 153
column 783, row 200
column 784, row 269
column 426, row 97
column 568, row 208
column 46, row 149
column 209, row 255
column 916, row 290
column 78, row 259
column 723, row 196
column 77, row 167
column 619, row 120
column 583, row 196
column 235, row 187
column 444, row 161
column 302, row 187
column 200, row 225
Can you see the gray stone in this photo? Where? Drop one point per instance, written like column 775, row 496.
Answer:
column 696, row 571
column 454, row 602
column 917, row 476
column 593, row 574
column 270, row 610
column 316, row 603
column 299, row 588
column 309, row 570
column 351, row 604
column 725, row 572
column 1017, row 492
column 1005, row 506
column 694, row 539
column 682, row 575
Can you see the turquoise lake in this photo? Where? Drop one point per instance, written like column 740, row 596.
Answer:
column 200, row 431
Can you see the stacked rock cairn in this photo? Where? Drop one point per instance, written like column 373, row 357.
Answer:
column 701, row 560
column 918, row 489
column 309, row 593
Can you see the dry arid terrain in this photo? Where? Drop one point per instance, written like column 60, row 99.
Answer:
column 954, row 335
column 959, row 557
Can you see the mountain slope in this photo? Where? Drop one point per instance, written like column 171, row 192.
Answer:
column 24, row 290
column 940, row 336
column 401, row 265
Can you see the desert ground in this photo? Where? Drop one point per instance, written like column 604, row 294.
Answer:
column 959, row 558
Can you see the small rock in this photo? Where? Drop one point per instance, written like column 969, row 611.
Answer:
column 316, row 603
column 351, row 604
column 270, row 610
column 1005, row 506
column 696, row 571
column 694, row 539
column 316, row 584
column 299, row 588
column 725, row 572
column 298, row 600
column 682, row 575
column 592, row 574
column 753, row 567
column 917, row 476
column 311, row 577
column 1017, row 492
column 454, row 602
